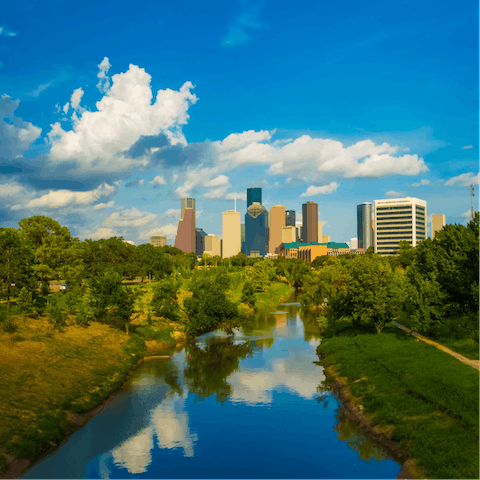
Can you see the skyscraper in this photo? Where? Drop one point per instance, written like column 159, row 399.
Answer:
column 185, row 239
column 399, row 219
column 254, row 194
column 290, row 218
column 276, row 222
column 289, row 234
column 256, row 223
column 320, row 232
column 364, row 225
column 212, row 245
column 438, row 222
column 310, row 222
column 231, row 233
column 199, row 241
column 187, row 203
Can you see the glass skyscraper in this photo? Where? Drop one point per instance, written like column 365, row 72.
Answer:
column 290, row 218
column 254, row 194
column 256, row 224
column 364, row 225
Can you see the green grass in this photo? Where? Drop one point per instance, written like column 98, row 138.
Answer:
column 430, row 397
column 453, row 334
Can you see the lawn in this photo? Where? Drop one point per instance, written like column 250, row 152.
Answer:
column 430, row 398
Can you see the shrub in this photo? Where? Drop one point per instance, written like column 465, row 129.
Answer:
column 9, row 326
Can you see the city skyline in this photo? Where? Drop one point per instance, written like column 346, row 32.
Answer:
column 106, row 136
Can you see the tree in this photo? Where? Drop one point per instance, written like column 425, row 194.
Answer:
column 165, row 298
column 248, row 294
column 25, row 302
column 50, row 242
column 16, row 260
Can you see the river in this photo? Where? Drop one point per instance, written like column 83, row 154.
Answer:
column 251, row 405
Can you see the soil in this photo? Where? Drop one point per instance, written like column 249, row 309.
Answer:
column 354, row 411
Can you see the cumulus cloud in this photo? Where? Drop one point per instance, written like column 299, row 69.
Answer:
column 55, row 199
column 467, row 147
column 99, row 139
column 104, row 81
column 129, row 218
column 217, row 181
column 463, row 180
column 135, row 183
column 169, row 231
column 421, row 183
column 157, row 181
column 101, row 232
column 102, row 206
column 76, row 98
column 394, row 194
column 173, row 212
column 322, row 190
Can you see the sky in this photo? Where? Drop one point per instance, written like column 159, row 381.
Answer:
column 113, row 111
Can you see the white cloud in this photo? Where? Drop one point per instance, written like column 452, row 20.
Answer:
column 216, row 193
column 467, row 214
column 217, row 182
column 463, row 180
column 394, row 194
column 76, row 98
column 98, row 139
column 104, row 81
column 101, row 232
column 467, row 147
column 62, row 198
column 173, row 212
column 158, row 180
column 421, row 183
column 169, row 231
column 323, row 190
column 130, row 218
column 101, row 206
column 66, row 107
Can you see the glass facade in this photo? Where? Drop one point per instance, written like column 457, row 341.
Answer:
column 254, row 194
column 364, row 225
column 290, row 218
column 256, row 224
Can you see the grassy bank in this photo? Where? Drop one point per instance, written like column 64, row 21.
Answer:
column 453, row 333
column 417, row 395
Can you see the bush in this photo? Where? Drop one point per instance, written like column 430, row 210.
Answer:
column 9, row 326
column 158, row 334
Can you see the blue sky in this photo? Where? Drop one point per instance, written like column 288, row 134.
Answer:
column 112, row 111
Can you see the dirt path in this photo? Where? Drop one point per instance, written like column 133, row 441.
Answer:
column 472, row 363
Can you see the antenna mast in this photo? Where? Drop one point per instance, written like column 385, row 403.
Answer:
column 472, row 194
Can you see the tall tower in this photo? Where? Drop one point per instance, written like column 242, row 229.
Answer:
column 399, row 219
column 438, row 222
column 187, row 203
column 290, row 218
column 276, row 223
column 185, row 239
column 254, row 194
column 310, row 222
column 231, row 233
column 364, row 225
column 256, row 223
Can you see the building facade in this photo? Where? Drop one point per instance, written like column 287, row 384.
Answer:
column 254, row 194
column 438, row 222
column 399, row 219
column 231, row 233
column 158, row 240
column 276, row 223
column 353, row 243
column 256, row 223
column 185, row 239
column 187, row 204
column 320, row 232
column 199, row 241
column 364, row 225
column 290, row 218
column 310, row 222
column 289, row 234
column 212, row 245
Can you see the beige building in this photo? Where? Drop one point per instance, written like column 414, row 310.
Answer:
column 398, row 219
column 158, row 240
column 289, row 234
column 212, row 245
column 309, row 253
column 438, row 222
column 326, row 239
column 276, row 221
column 320, row 231
column 231, row 233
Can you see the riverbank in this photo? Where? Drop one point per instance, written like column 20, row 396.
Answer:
column 53, row 382
column 417, row 401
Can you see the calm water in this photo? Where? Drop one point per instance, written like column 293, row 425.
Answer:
column 248, row 406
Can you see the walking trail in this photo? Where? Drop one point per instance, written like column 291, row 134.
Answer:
column 472, row 363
